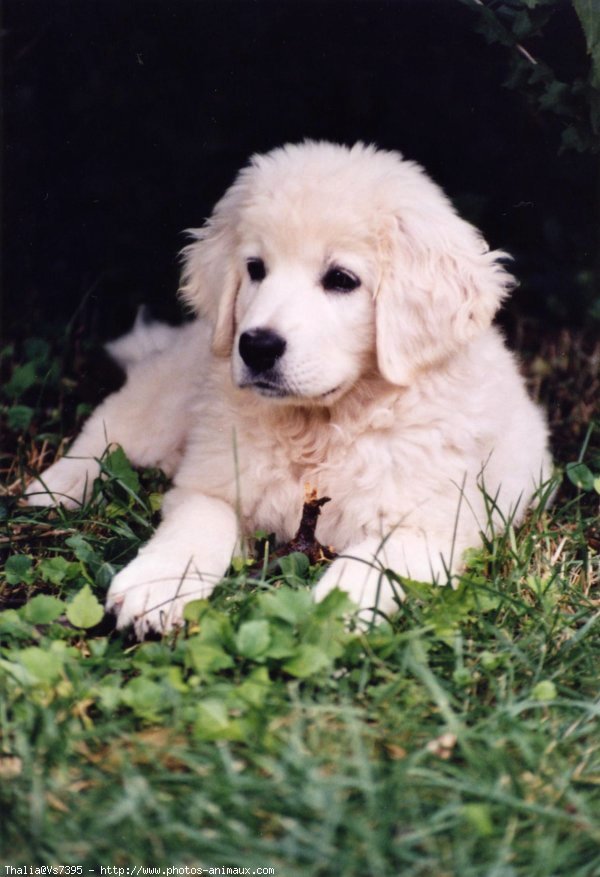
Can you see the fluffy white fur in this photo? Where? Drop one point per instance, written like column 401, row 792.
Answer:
column 397, row 399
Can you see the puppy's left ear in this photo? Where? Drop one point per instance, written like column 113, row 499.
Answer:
column 440, row 287
column 210, row 278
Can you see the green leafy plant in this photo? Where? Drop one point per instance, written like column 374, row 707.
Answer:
column 519, row 26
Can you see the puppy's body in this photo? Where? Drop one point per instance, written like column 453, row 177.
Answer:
column 348, row 310
column 378, row 452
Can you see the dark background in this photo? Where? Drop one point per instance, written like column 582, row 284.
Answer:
column 125, row 120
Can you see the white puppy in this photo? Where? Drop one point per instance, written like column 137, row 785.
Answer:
column 344, row 341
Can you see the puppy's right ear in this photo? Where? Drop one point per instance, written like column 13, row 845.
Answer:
column 210, row 277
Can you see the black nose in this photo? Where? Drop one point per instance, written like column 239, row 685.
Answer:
column 260, row 348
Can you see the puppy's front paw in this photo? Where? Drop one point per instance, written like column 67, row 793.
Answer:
column 67, row 482
column 151, row 592
column 365, row 583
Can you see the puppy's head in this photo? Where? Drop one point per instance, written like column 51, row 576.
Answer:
column 322, row 262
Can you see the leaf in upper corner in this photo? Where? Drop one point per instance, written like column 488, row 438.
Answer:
column 588, row 12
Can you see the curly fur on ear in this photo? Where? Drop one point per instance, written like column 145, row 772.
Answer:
column 440, row 287
column 210, row 278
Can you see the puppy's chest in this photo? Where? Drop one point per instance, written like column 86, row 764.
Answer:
column 375, row 470
column 274, row 476
column 373, row 478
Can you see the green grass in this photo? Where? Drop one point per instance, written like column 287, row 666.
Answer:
column 460, row 737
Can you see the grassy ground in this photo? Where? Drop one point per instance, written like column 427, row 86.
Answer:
column 458, row 738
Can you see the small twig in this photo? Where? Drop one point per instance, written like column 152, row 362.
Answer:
column 28, row 536
column 558, row 551
column 518, row 46
column 305, row 540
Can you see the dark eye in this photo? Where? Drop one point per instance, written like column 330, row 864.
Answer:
column 256, row 270
column 340, row 280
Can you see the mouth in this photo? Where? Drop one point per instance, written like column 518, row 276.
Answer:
column 272, row 390
column 269, row 389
